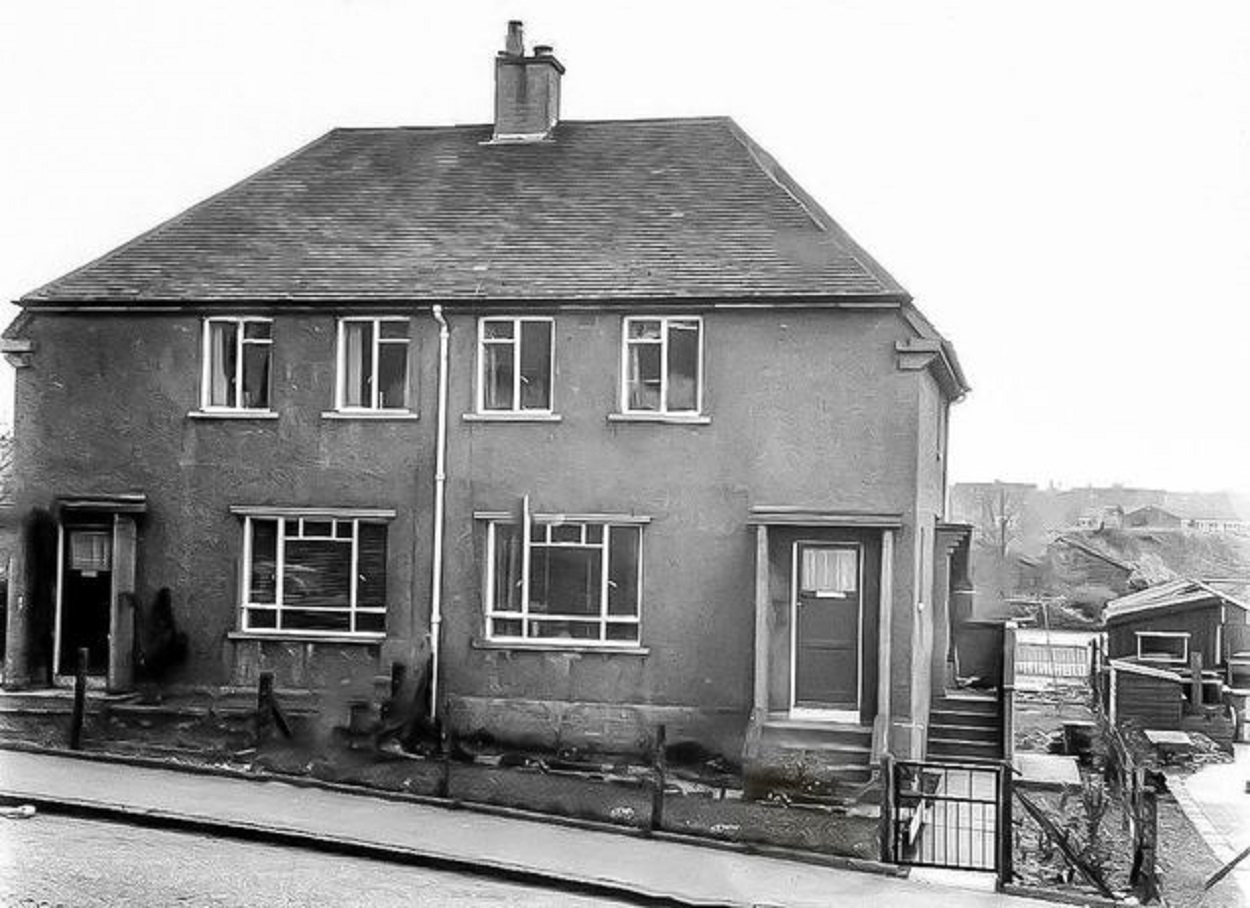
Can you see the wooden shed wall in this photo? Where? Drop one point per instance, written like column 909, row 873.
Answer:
column 1201, row 622
column 1148, row 701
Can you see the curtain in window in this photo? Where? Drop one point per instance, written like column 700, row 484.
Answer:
column 221, row 365
column 644, row 376
column 357, row 364
column 830, row 570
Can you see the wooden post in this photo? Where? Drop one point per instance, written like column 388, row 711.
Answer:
column 399, row 674
column 1007, row 692
column 888, row 809
column 1195, row 682
column 264, row 706
column 1144, row 877
column 80, row 700
column 660, row 766
column 445, row 743
column 1005, row 826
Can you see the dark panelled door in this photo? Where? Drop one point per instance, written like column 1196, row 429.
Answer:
column 85, row 598
column 827, row 627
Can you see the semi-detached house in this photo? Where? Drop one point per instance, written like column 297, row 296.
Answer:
column 607, row 422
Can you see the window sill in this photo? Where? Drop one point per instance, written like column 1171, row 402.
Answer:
column 297, row 637
column 555, row 646
column 512, row 417
column 233, row 414
column 372, row 415
column 689, row 419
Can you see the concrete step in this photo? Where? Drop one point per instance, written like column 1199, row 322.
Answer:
column 964, row 733
column 804, row 734
column 966, row 703
column 945, row 716
column 964, row 750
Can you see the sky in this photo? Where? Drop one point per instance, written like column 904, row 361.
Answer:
column 1064, row 187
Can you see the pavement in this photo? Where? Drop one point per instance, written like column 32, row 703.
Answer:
column 1217, row 802
column 605, row 863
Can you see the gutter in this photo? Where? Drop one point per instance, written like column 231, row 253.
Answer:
column 440, row 495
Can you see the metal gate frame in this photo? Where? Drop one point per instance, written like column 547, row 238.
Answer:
column 951, row 815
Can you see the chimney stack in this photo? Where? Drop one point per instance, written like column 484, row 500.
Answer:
column 527, row 89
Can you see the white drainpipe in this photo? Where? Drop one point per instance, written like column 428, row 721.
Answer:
column 440, row 489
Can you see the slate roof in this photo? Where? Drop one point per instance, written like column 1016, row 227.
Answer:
column 604, row 210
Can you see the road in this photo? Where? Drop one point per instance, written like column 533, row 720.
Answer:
column 51, row 861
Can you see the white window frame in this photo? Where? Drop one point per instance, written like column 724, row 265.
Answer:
column 246, row 606
column 524, row 616
column 241, row 341
column 626, row 342
column 515, row 342
column 1176, row 635
column 340, row 364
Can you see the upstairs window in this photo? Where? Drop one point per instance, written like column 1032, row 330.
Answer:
column 1163, row 646
column 237, row 356
column 373, row 364
column 516, row 357
column 314, row 575
column 663, row 365
column 579, row 582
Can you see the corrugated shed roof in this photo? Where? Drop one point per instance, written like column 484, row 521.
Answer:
column 604, row 210
column 1174, row 594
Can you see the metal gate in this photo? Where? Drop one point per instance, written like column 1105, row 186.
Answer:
column 953, row 815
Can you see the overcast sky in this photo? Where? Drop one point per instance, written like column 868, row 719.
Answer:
column 1063, row 186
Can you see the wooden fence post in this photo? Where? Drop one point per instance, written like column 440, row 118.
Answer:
column 1005, row 826
column 888, row 810
column 1195, row 682
column 660, row 767
column 264, row 706
column 1144, row 877
column 80, row 700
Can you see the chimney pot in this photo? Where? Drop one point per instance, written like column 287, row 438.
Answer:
column 543, row 50
column 515, row 45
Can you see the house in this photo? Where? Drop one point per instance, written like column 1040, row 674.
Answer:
column 1151, row 517
column 1192, row 634
column 602, row 424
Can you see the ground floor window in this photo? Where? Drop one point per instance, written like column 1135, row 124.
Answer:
column 578, row 581
column 314, row 574
column 1163, row 646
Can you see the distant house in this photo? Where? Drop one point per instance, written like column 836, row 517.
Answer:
column 1152, row 517
column 1081, row 563
column 1219, row 526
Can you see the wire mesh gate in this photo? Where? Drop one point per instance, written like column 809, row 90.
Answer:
column 952, row 815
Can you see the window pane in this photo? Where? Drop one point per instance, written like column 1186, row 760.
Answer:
column 506, row 627
column 394, row 330
column 644, row 376
column 536, row 365
column 319, row 528
column 623, row 632
column 566, row 532
column 393, row 376
column 222, row 353
column 357, row 364
column 262, row 619
column 645, row 328
column 565, row 630
column 683, row 365
column 258, row 330
column 256, row 376
column 594, row 532
column 497, row 329
column 91, row 550
column 623, row 545
column 507, row 592
column 371, row 566
column 316, row 621
column 264, row 561
column 317, row 573
column 565, row 581
column 497, row 376
column 828, row 570
column 374, row 623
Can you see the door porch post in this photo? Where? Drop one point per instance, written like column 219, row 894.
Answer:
column 121, row 669
column 885, row 618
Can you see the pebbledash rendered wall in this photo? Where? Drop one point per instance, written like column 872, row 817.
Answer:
column 807, row 407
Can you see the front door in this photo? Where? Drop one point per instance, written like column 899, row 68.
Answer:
column 828, row 620
column 86, row 594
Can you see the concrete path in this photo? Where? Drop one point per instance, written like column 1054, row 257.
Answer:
column 550, row 854
column 1216, row 801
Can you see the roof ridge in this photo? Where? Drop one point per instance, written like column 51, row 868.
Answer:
column 34, row 295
